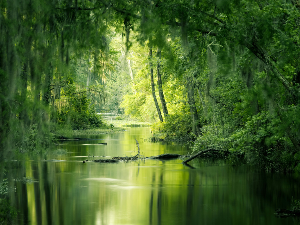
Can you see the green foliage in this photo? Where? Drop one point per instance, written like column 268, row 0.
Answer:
column 32, row 139
column 77, row 112
column 264, row 143
column 139, row 106
column 7, row 212
column 4, row 187
column 212, row 137
column 35, row 139
column 295, row 204
column 228, row 68
column 176, row 127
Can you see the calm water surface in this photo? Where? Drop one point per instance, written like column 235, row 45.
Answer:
column 63, row 190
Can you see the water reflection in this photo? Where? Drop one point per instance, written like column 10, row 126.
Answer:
column 146, row 191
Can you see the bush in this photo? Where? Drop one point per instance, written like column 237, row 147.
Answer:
column 214, row 137
column 32, row 138
column 265, row 146
column 7, row 212
column 78, row 113
column 79, row 120
column 175, row 128
column 262, row 139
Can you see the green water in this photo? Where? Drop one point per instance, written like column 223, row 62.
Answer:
column 64, row 190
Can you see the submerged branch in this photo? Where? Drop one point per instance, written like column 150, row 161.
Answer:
column 166, row 156
column 204, row 152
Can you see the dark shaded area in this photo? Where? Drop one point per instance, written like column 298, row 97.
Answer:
column 287, row 212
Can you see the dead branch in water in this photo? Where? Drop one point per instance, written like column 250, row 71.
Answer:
column 165, row 156
column 214, row 151
column 121, row 158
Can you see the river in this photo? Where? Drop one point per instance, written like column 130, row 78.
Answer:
column 63, row 190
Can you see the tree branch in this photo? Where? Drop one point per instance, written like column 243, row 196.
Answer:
column 203, row 152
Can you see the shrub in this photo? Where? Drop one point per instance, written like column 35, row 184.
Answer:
column 176, row 127
column 214, row 137
column 78, row 113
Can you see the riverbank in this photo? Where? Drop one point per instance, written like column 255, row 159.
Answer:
column 68, row 133
column 113, row 125
column 120, row 121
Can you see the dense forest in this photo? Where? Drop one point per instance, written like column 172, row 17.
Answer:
column 220, row 74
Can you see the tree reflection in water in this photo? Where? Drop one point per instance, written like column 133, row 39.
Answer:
column 146, row 191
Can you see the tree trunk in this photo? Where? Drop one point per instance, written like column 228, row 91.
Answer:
column 265, row 58
column 35, row 81
column 89, row 74
column 131, row 75
column 160, row 89
column 153, row 87
column 4, row 107
column 62, row 46
column 202, row 152
column 47, row 87
column 193, row 109
column 24, row 78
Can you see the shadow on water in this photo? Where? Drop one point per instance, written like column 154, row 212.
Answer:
column 63, row 190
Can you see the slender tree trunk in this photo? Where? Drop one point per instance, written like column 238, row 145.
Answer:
column 131, row 75
column 192, row 104
column 95, row 72
column 11, row 12
column 153, row 87
column 4, row 106
column 259, row 52
column 62, row 46
column 160, row 89
column 47, row 87
column 24, row 78
column 89, row 74
column 35, row 80
column 8, row 75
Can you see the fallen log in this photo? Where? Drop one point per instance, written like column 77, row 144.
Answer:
column 63, row 138
column 116, row 159
column 214, row 151
column 121, row 158
column 126, row 158
column 165, row 156
column 130, row 158
column 106, row 160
